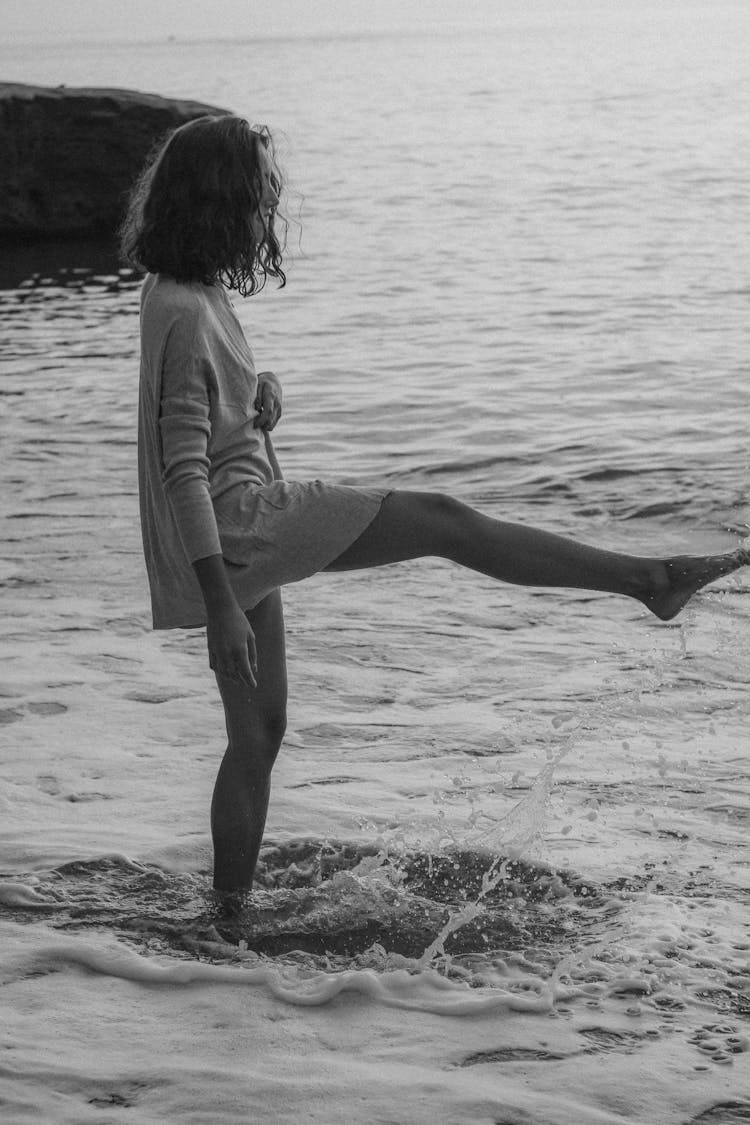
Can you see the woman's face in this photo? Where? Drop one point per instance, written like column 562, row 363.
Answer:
column 269, row 195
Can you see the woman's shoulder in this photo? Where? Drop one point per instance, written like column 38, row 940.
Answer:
column 164, row 293
column 178, row 310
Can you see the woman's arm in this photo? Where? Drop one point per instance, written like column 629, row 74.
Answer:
column 231, row 642
column 185, row 427
column 185, row 424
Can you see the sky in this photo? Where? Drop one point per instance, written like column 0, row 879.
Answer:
column 47, row 21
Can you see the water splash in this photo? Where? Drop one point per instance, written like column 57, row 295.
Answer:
column 531, row 938
column 517, row 830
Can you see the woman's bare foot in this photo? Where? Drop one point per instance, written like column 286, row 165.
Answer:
column 674, row 581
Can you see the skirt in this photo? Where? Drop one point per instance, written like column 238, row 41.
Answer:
column 282, row 532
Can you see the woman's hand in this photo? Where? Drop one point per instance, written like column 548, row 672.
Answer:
column 231, row 641
column 267, row 401
column 231, row 646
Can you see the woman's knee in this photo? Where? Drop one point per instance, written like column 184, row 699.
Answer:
column 254, row 725
column 447, row 519
column 255, row 747
column 264, row 732
column 272, row 723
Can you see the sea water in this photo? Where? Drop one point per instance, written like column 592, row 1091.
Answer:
column 516, row 275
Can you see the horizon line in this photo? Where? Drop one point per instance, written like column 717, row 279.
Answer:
column 363, row 33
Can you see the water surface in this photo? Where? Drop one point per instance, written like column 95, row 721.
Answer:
column 517, row 276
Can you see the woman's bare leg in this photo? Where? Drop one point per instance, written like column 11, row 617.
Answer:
column 256, row 720
column 414, row 524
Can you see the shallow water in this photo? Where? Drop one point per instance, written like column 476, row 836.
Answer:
column 521, row 286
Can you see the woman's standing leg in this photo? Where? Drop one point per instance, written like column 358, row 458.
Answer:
column 414, row 524
column 256, row 721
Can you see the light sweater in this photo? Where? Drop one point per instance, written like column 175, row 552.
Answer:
column 196, row 438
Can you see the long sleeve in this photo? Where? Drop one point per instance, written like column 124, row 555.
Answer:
column 184, row 421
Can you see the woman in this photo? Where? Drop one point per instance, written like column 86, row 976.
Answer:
column 221, row 530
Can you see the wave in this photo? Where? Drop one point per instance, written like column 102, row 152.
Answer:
column 333, row 917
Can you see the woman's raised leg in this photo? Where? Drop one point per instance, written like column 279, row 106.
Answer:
column 415, row 524
column 256, row 721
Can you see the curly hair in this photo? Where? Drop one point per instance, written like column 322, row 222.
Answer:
column 192, row 209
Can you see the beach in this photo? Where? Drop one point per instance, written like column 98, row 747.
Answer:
column 505, row 870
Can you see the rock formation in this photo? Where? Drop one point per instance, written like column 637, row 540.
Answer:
column 68, row 157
